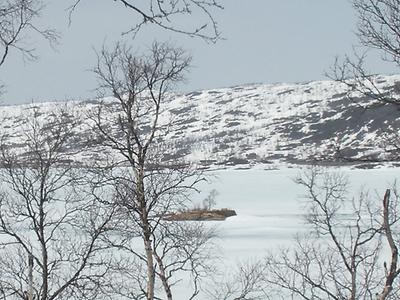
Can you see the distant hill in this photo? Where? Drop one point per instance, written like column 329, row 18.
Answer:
column 247, row 125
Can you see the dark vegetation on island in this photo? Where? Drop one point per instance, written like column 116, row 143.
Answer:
column 201, row 215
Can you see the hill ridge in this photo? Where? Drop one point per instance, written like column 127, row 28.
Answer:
column 245, row 125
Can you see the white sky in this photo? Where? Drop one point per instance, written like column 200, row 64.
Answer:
column 265, row 41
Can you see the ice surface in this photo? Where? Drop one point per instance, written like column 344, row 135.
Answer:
column 270, row 207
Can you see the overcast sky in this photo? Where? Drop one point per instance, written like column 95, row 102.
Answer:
column 265, row 41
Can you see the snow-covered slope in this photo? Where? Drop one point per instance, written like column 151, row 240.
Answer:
column 248, row 124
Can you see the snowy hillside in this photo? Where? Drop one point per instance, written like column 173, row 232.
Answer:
column 246, row 125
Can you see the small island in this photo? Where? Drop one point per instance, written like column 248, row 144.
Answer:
column 201, row 215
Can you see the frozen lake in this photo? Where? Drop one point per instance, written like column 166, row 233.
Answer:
column 270, row 209
column 269, row 205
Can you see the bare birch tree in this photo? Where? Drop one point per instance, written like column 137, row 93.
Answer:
column 146, row 189
column 47, row 216
column 345, row 255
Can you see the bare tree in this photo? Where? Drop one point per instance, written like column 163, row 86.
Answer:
column 47, row 215
column 378, row 28
column 17, row 22
column 342, row 256
column 245, row 283
column 169, row 15
column 146, row 188
column 209, row 202
column 362, row 84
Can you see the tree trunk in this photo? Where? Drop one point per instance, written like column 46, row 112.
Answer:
column 30, row 277
column 146, row 229
column 150, row 269
column 163, row 278
column 45, row 270
column 393, row 272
